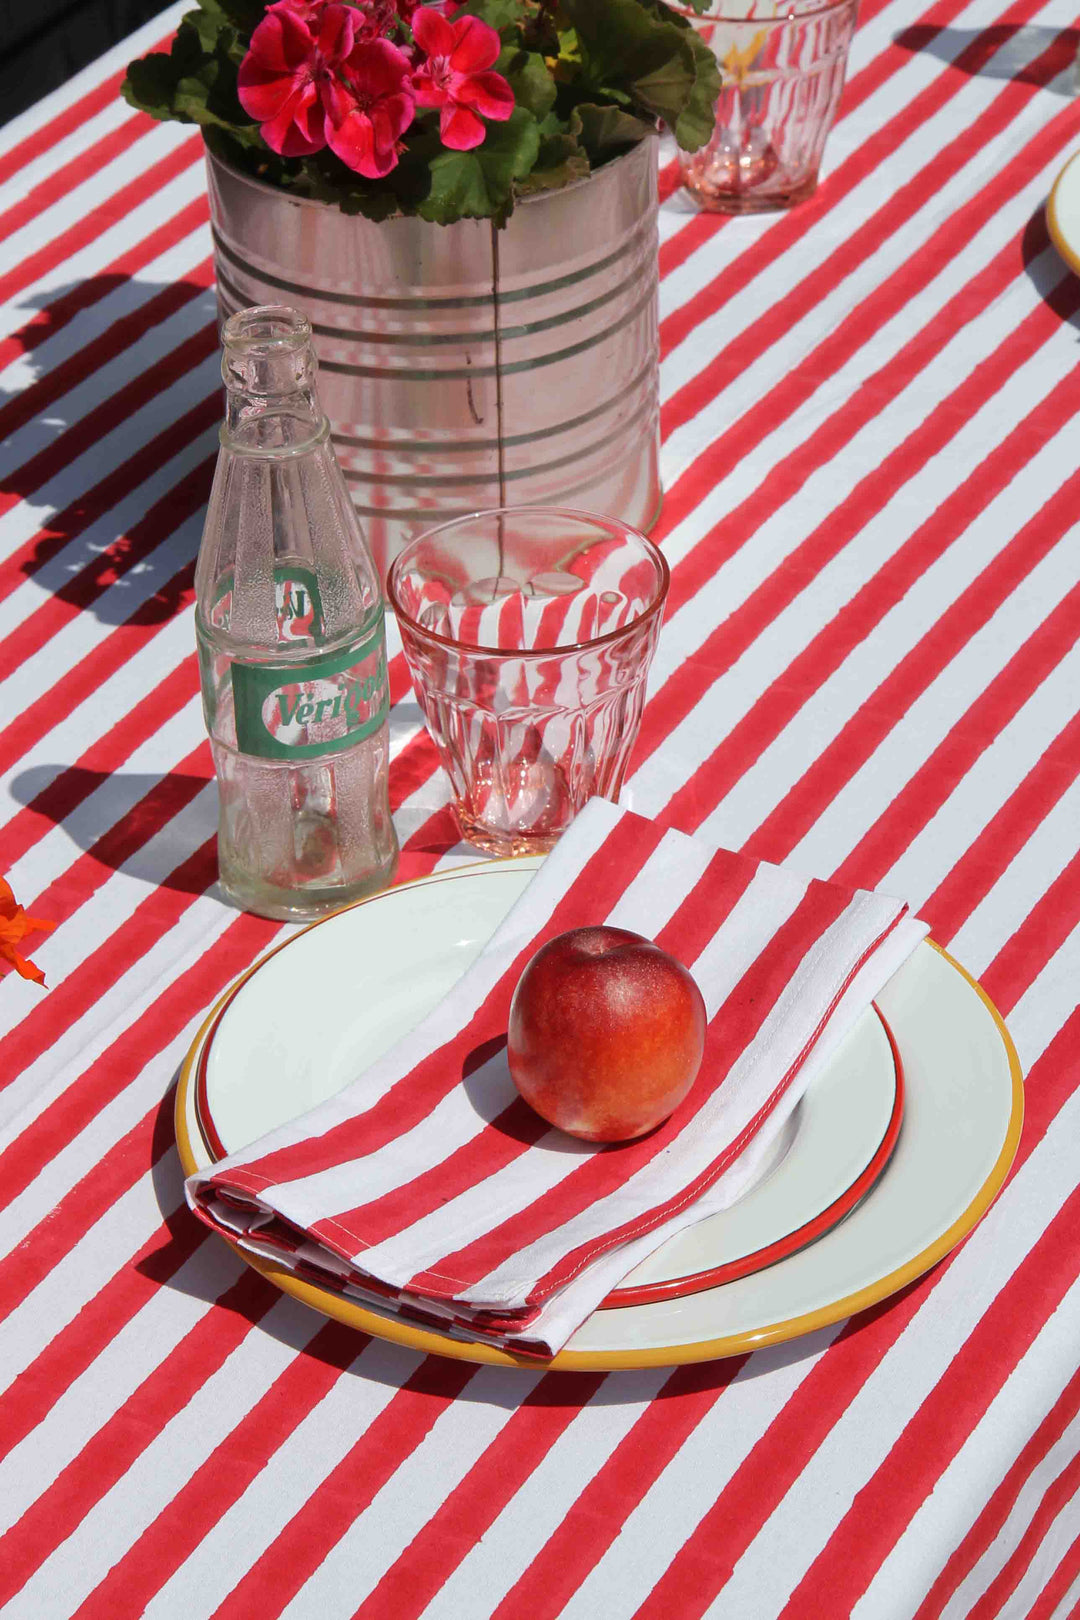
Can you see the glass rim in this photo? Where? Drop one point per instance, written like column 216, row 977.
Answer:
column 597, row 520
column 812, row 10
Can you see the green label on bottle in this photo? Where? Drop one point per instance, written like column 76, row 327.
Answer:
column 322, row 706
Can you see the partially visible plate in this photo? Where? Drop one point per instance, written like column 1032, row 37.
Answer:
column 961, row 1122
column 1063, row 213
column 379, row 969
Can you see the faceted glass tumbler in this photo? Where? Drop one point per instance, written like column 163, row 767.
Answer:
column 528, row 633
column 782, row 65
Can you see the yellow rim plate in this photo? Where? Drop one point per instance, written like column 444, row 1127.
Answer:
column 932, row 979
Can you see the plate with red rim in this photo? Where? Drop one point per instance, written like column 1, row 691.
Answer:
column 829, row 1153
column 308, row 1017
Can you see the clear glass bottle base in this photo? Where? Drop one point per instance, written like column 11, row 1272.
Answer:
column 301, row 905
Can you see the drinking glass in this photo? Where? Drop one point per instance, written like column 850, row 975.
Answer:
column 528, row 632
column 782, row 66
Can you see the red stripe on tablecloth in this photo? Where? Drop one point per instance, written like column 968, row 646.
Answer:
column 927, row 790
column 127, row 1432
column 87, row 230
column 58, row 128
column 74, row 687
column 852, row 1556
column 736, row 1025
column 121, row 335
column 108, row 961
column 703, row 1565
column 350, row 1487
column 222, row 1479
column 31, row 1396
column 740, row 440
column 866, row 240
column 599, row 1513
column 474, row 1504
column 950, row 761
column 101, row 1081
column 787, row 694
column 410, row 1100
column 85, row 166
column 109, row 415
column 77, row 1344
column 162, row 519
column 130, row 833
column 518, row 1127
column 995, row 1515
column 74, row 783
column 1042, row 933
column 1057, row 1587
column 63, row 309
column 702, row 227
column 1005, row 834
column 723, row 646
column 882, row 304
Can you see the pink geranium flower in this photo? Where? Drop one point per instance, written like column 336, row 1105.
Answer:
column 370, row 107
column 317, row 75
column 455, row 76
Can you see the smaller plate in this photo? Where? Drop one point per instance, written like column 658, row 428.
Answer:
column 1063, row 213
column 382, row 966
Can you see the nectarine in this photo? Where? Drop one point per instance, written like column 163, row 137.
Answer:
column 606, row 1033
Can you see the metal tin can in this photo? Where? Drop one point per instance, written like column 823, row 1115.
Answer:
column 464, row 367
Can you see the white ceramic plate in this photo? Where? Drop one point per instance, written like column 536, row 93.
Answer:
column 1063, row 213
column 381, row 967
column 307, row 1018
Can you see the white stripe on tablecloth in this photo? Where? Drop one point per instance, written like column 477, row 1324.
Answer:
column 173, row 265
column 111, row 450
column 535, row 1511
column 114, row 239
column 826, row 487
column 868, row 793
column 315, row 1448
column 181, row 1445
column 68, row 149
column 863, row 1435
column 996, row 774
column 1019, row 887
column 990, row 1450
column 1059, row 1538
column 142, row 1344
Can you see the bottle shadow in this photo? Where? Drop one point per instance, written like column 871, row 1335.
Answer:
column 100, row 357
column 143, row 824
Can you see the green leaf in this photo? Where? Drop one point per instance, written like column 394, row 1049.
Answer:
column 642, row 48
column 480, row 184
column 529, row 77
column 150, row 86
column 605, row 131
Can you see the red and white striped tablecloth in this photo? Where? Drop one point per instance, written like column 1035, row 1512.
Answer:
column 869, row 667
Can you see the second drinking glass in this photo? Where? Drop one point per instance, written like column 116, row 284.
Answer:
column 529, row 633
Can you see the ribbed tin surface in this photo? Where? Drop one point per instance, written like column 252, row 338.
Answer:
column 464, row 367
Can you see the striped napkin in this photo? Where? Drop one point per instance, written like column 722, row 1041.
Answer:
column 428, row 1187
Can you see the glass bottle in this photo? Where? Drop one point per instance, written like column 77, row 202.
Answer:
column 292, row 644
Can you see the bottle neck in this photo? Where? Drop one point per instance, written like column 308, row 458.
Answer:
column 268, row 366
